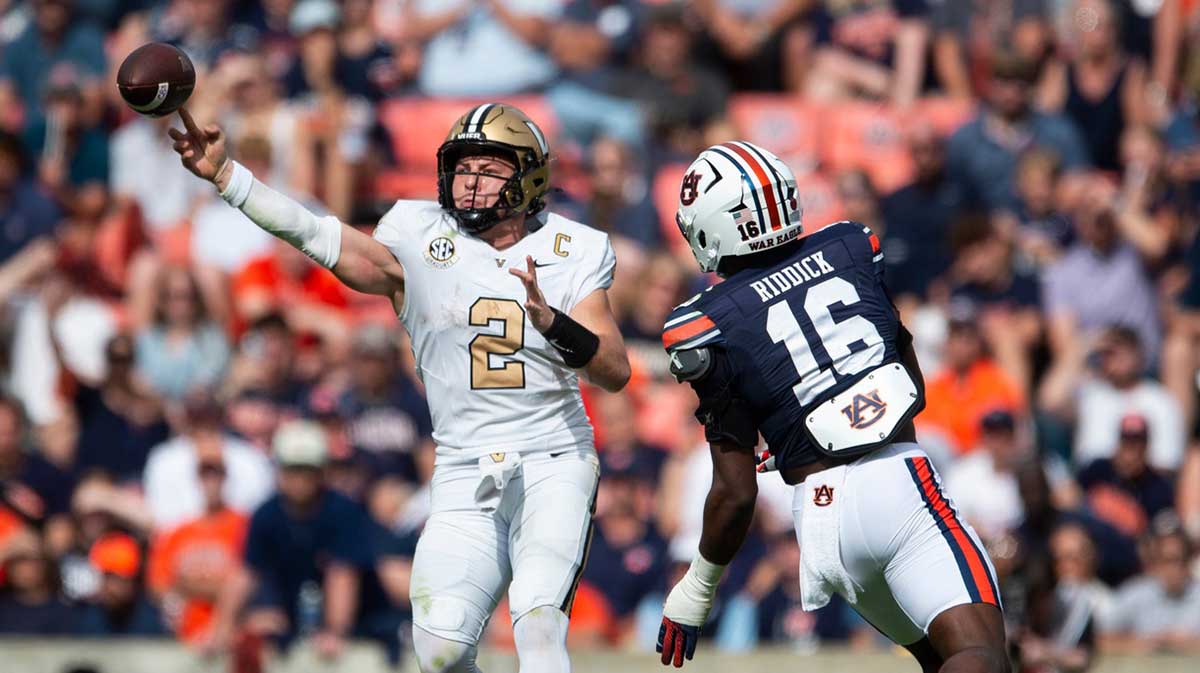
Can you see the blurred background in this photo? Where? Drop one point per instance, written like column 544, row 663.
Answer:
column 1032, row 168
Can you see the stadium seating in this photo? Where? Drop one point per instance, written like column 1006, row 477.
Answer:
column 945, row 113
column 417, row 126
column 869, row 137
column 819, row 199
column 788, row 126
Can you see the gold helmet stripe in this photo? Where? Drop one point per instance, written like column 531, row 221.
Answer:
column 477, row 117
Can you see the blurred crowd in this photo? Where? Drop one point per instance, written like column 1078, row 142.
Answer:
column 205, row 436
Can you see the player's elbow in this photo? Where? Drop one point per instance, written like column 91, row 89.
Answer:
column 617, row 374
column 622, row 374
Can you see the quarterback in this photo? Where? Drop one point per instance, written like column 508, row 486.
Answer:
column 802, row 344
column 506, row 304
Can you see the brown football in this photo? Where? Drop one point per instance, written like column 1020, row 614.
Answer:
column 156, row 79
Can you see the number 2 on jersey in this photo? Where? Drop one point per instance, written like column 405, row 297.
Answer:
column 511, row 374
column 835, row 337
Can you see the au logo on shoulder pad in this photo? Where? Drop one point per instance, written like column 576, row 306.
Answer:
column 865, row 409
column 440, row 253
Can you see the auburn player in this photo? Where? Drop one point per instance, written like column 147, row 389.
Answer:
column 505, row 304
column 802, row 344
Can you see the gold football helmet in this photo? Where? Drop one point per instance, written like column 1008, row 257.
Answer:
column 500, row 129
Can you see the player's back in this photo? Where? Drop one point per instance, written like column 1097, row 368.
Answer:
column 798, row 331
column 493, row 382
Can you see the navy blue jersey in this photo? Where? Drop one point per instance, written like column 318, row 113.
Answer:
column 796, row 333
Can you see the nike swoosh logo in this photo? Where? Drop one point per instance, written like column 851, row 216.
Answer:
column 538, row 265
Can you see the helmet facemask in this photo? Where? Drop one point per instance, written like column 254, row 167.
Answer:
column 510, row 196
column 703, row 248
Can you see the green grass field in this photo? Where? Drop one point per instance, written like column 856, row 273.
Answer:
column 57, row 656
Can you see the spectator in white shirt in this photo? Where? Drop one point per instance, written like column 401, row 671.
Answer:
column 1074, row 555
column 142, row 148
column 1158, row 611
column 983, row 484
column 223, row 237
column 1121, row 387
column 173, row 490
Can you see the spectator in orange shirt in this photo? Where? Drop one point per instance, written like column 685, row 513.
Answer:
column 284, row 276
column 10, row 525
column 189, row 564
column 310, row 297
column 969, row 385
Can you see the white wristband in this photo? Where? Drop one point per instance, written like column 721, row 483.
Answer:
column 238, row 189
column 691, row 599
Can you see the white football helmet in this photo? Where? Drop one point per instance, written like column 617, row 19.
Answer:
column 737, row 199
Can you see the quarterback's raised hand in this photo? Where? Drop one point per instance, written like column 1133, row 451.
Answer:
column 202, row 151
column 540, row 313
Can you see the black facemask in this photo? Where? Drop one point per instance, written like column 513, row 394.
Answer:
column 476, row 220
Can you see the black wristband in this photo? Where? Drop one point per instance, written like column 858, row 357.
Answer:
column 577, row 343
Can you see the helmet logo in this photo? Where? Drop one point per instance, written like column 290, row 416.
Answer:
column 690, row 188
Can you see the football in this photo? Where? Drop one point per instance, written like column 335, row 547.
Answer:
column 156, row 79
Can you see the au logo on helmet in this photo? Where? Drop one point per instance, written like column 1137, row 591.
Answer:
column 690, row 188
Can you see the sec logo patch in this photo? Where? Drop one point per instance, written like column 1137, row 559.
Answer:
column 440, row 253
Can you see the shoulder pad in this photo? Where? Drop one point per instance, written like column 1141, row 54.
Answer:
column 856, row 231
column 692, row 364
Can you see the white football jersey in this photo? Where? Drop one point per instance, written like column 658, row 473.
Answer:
column 493, row 382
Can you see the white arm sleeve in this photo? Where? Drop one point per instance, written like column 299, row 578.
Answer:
column 318, row 237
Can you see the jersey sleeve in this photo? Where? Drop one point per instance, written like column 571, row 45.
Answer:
column 597, row 275
column 876, row 252
column 397, row 229
column 725, row 415
column 688, row 327
column 864, row 246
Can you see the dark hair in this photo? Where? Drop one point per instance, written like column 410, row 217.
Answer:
column 1074, row 525
column 11, row 145
column 1008, row 64
column 197, row 298
column 1124, row 335
column 1037, row 157
column 16, row 408
column 969, row 229
column 269, row 321
column 1169, row 528
column 666, row 15
column 862, row 180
